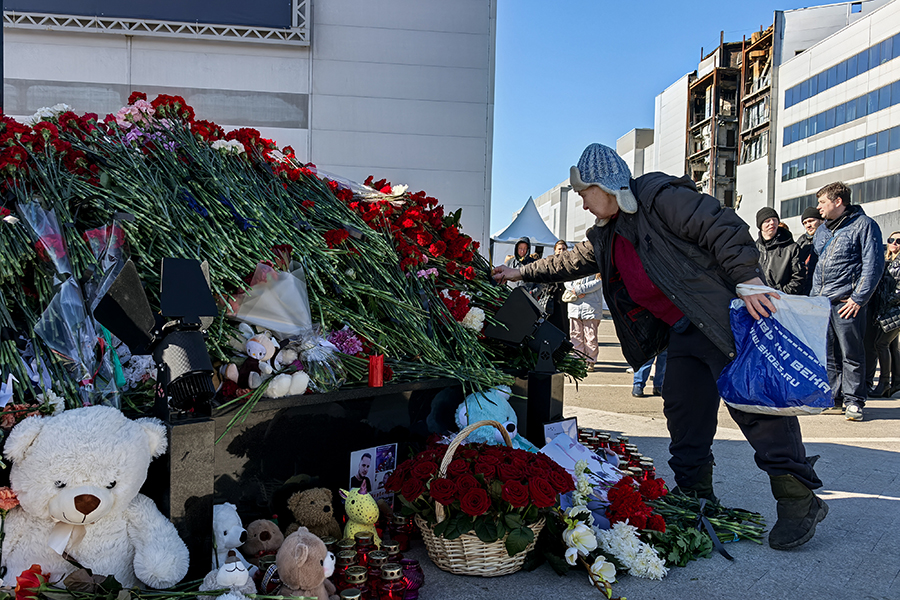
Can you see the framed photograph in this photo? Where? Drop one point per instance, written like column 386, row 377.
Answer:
column 370, row 467
column 566, row 426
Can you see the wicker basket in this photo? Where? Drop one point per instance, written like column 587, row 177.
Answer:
column 468, row 555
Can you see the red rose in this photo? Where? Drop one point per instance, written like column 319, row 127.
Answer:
column 536, row 469
column 466, row 482
column 412, row 489
column 511, row 472
column 561, row 482
column 424, row 470
column 490, row 456
column 515, row 493
column 467, row 453
column 475, row 502
column 457, row 467
column 443, row 491
column 29, row 582
column 489, row 471
column 542, row 494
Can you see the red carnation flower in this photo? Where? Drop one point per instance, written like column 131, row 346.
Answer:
column 438, row 248
column 656, row 523
column 135, row 96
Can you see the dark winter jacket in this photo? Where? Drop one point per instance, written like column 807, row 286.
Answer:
column 809, row 258
column 692, row 249
column 850, row 257
column 516, row 263
column 780, row 262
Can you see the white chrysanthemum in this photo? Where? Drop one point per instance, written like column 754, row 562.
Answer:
column 580, row 537
column 638, row 557
column 474, row 319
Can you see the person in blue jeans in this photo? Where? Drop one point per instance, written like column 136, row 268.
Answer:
column 642, row 374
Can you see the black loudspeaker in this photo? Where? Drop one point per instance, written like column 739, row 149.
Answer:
column 517, row 316
column 124, row 310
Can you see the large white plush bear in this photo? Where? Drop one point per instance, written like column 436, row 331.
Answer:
column 77, row 477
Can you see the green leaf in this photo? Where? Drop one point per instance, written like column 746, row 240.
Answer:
column 518, row 539
column 557, row 563
column 441, row 527
column 486, row 530
column 105, row 179
column 496, row 488
column 513, row 521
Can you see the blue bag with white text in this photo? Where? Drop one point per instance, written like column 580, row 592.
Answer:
column 775, row 372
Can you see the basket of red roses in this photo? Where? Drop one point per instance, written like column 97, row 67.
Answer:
column 481, row 509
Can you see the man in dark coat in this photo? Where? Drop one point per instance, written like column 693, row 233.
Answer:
column 670, row 259
column 810, row 219
column 779, row 256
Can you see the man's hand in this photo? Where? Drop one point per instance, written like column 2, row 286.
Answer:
column 849, row 309
column 502, row 274
column 759, row 304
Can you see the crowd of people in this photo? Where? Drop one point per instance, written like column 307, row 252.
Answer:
column 669, row 259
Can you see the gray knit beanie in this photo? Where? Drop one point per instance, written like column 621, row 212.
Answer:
column 601, row 166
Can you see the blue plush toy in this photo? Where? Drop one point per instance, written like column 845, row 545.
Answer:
column 492, row 405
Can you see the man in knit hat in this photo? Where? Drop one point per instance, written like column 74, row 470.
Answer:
column 670, row 259
column 810, row 219
column 779, row 256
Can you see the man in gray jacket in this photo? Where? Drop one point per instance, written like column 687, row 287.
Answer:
column 850, row 266
column 670, row 259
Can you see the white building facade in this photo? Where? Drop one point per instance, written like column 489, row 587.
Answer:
column 796, row 32
column 839, row 119
column 401, row 89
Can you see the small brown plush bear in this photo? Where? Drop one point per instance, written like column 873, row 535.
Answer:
column 314, row 510
column 263, row 537
column 304, row 565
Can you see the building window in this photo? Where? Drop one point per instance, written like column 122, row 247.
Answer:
column 855, row 7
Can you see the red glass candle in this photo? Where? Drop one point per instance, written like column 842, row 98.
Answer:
column 391, row 586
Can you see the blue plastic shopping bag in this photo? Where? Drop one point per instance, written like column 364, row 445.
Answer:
column 774, row 372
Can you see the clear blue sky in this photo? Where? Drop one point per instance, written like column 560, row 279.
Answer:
column 574, row 72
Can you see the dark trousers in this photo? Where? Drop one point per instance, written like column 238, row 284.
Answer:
column 691, row 403
column 847, row 357
column 888, row 352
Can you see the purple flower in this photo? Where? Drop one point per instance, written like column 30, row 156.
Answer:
column 346, row 341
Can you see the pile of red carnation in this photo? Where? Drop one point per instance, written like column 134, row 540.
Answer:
column 480, row 480
column 627, row 503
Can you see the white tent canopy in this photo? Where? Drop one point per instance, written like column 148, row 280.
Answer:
column 526, row 223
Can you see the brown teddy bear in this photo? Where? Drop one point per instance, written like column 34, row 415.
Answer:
column 313, row 509
column 304, row 565
column 263, row 537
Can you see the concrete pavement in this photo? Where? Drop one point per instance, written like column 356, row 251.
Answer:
column 854, row 555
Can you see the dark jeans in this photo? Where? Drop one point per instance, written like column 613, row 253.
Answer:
column 889, row 358
column 691, row 403
column 847, row 357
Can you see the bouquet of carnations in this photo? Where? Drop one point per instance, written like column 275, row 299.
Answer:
column 485, row 494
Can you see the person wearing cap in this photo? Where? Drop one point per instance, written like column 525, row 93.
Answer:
column 810, row 219
column 850, row 267
column 670, row 259
column 779, row 256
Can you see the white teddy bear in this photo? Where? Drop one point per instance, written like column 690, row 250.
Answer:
column 228, row 534
column 77, row 476
column 232, row 576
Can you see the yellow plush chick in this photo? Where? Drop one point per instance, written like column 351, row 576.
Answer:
column 362, row 514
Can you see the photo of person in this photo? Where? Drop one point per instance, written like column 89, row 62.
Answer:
column 386, row 458
column 370, row 467
column 361, row 478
